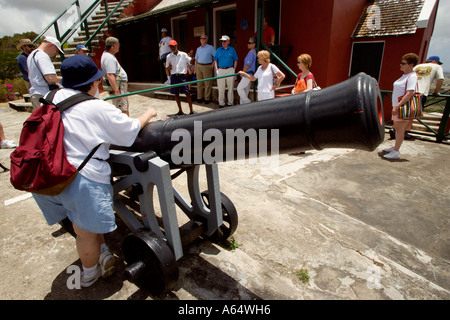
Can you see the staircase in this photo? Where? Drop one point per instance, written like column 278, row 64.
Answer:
column 93, row 23
column 433, row 120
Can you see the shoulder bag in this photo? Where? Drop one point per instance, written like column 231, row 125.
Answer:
column 413, row 108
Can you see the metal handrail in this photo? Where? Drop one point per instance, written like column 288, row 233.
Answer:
column 54, row 22
column 88, row 42
column 279, row 60
column 440, row 135
column 81, row 20
column 168, row 87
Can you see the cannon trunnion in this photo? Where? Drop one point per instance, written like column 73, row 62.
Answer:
column 347, row 115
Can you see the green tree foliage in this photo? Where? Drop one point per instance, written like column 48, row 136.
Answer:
column 9, row 53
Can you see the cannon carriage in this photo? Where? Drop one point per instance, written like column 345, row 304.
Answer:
column 346, row 115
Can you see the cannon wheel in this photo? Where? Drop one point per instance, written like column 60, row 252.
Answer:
column 229, row 215
column 151, row 263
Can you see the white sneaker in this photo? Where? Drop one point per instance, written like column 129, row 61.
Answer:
column 389, row 149
column 392, row 155
column 90, row 280
column 107, row 263
column 168, row 81
column 7, row 144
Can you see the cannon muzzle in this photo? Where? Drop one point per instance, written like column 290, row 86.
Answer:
column 346, row 115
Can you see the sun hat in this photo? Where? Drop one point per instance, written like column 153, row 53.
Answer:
column 80, row 46
column 79, row 70
column 434, row 58
column 55, row 42
column 224, row 38
column 24, row 42
column 173, row 43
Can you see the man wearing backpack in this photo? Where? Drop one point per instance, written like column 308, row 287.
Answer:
column 41, row 71
column 88, row 200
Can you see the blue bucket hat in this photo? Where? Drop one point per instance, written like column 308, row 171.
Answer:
column 79, row 70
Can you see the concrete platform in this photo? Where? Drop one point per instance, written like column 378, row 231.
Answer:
column 363, row 228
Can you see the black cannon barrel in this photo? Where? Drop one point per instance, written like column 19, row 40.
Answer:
column 346, row 115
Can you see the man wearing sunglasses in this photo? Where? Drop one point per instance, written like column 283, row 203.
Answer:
column 204, row 69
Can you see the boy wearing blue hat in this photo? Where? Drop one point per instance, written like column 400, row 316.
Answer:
column 88, row 200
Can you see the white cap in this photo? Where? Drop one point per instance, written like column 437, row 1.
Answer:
column 55, row 42
column 163, row 30
column 224, row 38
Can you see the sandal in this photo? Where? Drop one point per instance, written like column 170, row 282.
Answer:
column 297, row 153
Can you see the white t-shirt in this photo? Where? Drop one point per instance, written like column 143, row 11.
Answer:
column 405, row 83
column 426, row 73
column 265, row 81
column 90, row 123
column 110, row 64
column 39, row 64
column 179, row 62
column 164, row 45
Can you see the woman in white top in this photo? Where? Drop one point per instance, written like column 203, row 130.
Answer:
column 265, row 75
column 405, row 86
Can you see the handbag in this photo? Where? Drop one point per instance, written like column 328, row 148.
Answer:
column 413, row 108
column 315, row 86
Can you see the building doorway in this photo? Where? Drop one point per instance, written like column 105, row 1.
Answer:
column 225, row 24
column 180, row 32
column 271, row 11
column 367, row 57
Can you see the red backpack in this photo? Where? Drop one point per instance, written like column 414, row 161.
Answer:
column 39, row 164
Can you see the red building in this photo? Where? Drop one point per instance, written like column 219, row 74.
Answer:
column 343, row 37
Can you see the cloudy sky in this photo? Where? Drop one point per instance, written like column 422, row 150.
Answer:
column 17, row 16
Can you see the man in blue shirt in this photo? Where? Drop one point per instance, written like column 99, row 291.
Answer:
column 243, row 88
column 204, row 68
column 225, row 62
column 27, row 47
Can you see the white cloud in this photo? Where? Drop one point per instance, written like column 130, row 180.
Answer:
column 17, row 16
column 440, row 41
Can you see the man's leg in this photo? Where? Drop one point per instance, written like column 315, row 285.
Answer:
column 200, row 85
column 221, row 87
column 35, row 100
column 208, row 84
column 189, row 100
column 178, row 100
column 124, row 100
column 230, row 85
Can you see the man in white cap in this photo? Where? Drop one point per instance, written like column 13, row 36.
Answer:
column 164, row 50
column 225, row 62
column 42, row 73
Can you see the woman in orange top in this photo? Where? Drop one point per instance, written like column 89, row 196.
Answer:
column 305, row 79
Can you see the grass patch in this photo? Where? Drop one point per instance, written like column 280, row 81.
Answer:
column 303, row 275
